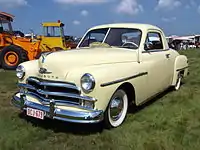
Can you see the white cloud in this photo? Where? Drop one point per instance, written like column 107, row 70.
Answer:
column 191, row 4
column 13, row 3
column 76, row 22
column 84, row 12
column 168, row 19
column 168, row 4
column 130, row 7
column 80, row 1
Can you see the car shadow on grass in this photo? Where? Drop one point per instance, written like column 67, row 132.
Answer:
column 64, row 127
column 85, row 129
column 135, row 109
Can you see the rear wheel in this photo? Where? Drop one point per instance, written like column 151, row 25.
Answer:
column 12, row 56
column 178, row 82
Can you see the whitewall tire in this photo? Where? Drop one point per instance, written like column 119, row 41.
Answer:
column 178, row 82
column 117, row 109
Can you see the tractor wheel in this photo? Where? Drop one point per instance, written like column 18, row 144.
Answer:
column 12, row 56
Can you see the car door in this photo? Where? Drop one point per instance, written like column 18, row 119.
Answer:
column 156, row 58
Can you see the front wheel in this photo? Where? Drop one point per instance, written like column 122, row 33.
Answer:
column 117, row 108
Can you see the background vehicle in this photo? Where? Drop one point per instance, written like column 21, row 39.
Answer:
column 53, row 37
column 197, row 41
column 15, row 48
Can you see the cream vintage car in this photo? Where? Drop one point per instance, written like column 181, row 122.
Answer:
column 113, row 66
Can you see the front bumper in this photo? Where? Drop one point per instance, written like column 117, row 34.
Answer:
column 51, row 111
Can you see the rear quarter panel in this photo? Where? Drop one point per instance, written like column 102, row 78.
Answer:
column 180, row 64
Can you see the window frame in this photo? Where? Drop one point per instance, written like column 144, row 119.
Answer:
column 107, row 33
column 51, row 30
column 161, row 40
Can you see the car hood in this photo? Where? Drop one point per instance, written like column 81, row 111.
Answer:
column 62, row 62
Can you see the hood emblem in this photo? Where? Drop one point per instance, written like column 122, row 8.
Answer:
column 44, row 71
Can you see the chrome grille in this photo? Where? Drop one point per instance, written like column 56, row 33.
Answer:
column 50, row 90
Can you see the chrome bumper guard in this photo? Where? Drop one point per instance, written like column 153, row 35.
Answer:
column 92, row 116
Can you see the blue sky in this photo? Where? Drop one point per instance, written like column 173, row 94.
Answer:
column 180, row 17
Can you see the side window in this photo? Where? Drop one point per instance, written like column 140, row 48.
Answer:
column 153, row 41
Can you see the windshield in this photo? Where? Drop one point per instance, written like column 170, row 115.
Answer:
column 118, row 37
column 53, row 31
column 5, row 26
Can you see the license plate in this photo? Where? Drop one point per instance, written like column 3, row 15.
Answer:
column 35, row 113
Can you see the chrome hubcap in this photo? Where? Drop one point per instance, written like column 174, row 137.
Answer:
column 116, row 108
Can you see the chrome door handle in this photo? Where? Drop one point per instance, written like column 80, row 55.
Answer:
column 167, row 55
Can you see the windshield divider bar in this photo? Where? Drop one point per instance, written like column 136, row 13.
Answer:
column 106, row 35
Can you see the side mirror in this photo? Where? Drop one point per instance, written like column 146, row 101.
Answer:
column 148, row 46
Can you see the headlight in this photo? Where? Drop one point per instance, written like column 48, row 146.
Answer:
column 87, row 82
column 20, row 72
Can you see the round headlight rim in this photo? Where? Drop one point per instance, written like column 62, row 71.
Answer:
column 22, row 69
column 93, row 83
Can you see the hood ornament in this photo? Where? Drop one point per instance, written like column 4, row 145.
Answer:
column 43, row 58
column 44, row 55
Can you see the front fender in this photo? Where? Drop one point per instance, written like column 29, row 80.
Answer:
column 181, row 64
column 31, row 69
column 104, row 74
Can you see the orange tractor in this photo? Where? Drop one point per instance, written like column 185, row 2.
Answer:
column 16, row 49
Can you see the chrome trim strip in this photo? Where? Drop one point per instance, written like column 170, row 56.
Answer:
column 86, row 98
column 51, row 111
column 124, row 79
column 57, row 102
column 182, row 68
column 155, row 50
column 47, row 101
column 54, row 84
column 65, row 95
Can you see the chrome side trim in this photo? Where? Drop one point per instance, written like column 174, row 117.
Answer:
column 86, row 98
column 155, row 50
column 124, row 79
column 52, row 112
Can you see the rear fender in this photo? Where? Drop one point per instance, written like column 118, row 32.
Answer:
column 180, row 65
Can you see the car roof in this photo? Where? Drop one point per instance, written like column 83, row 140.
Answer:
column 127, row 25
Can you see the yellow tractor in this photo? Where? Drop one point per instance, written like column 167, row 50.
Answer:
column 15, row 49
column 53, row 37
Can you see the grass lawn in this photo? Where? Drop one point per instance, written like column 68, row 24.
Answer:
column 172, row 121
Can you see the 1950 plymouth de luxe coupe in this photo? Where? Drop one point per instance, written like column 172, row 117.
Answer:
column 113, row 66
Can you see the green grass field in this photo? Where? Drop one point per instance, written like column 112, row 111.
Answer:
column 171, row 121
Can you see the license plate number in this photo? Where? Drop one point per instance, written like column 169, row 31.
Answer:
column 35, row 113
